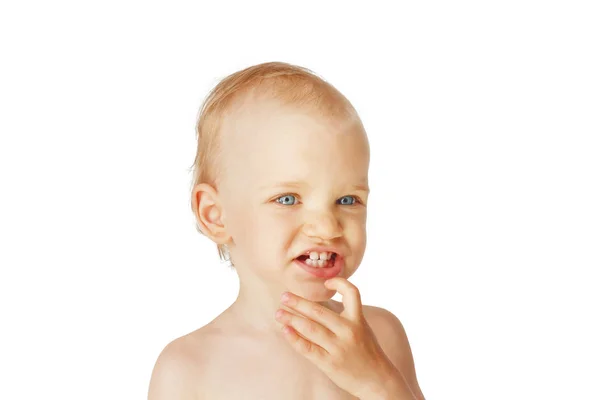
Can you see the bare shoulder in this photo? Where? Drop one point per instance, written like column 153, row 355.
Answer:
column 392, row 337
column 178, row 368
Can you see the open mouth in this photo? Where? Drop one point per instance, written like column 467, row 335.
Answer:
column 324, row 260
column 322, row 265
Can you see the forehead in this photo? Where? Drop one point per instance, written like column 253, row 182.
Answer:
column 269, row 142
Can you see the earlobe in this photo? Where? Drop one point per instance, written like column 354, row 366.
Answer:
column 209, row 213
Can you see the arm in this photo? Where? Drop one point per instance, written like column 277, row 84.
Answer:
column 394, row 342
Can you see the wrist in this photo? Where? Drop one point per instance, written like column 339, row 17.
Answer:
column 392, row 386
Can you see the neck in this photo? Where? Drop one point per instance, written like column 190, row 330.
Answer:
column 257, row 301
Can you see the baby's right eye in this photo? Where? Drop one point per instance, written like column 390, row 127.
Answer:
column 287, row 200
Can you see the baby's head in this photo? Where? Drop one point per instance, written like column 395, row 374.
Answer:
column 281, row 169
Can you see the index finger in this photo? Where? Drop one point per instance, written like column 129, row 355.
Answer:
column 350, row 297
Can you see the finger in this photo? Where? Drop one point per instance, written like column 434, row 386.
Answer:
column 313, row 352
column 314, row 311
column 350, row 297
column 310, row 330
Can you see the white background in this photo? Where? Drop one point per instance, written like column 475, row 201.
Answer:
column 484, row 221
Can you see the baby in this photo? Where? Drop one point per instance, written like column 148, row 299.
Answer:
column 281, row 186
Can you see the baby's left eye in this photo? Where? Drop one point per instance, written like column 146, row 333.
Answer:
column 347, row 200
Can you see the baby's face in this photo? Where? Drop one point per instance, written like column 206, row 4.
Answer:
column 294, row 181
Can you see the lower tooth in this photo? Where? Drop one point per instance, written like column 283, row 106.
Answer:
column 316, row 263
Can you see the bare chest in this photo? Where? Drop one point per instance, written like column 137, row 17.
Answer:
column 268, row 377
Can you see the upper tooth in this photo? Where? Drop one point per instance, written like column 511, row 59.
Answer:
column 316, row 255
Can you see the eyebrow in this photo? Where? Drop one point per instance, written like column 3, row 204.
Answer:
column 363, row 187
column 298, row 184
column 284, row 184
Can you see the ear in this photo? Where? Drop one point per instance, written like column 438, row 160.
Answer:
column 209, row 213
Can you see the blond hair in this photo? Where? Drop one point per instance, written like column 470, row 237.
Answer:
column 287, row 83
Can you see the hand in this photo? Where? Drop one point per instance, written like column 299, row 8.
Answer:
column 343, row 346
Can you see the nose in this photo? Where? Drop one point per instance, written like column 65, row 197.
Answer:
column 322, row 225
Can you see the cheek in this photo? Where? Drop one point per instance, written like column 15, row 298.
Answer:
column 267, row 243
column 356, row 233
column 357, row 239
column 276, row 223
column 262, row 229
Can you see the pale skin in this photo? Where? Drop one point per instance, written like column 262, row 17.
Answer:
column 343, row 345
column 285, row 171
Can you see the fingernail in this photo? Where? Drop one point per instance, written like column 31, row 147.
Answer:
column 285, row 297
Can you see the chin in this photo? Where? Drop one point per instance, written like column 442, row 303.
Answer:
column 313, row 291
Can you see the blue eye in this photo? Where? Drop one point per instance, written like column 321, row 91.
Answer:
column 287, row 200
column 344, row 200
